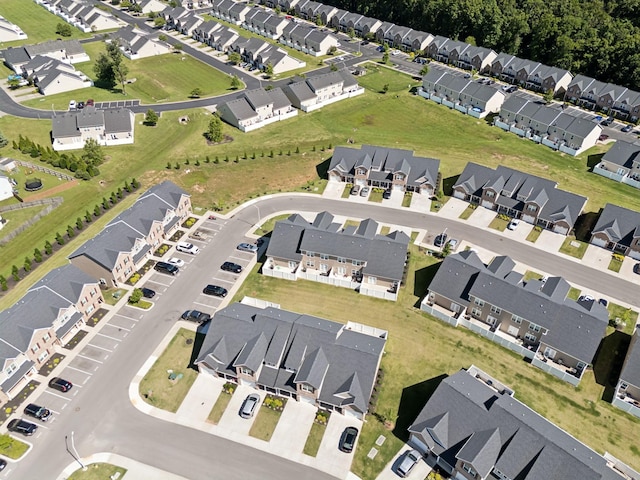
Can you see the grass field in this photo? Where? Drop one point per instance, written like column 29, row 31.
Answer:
column 34, row 20
column 569, row 247
column 163, row 78
column 219, row 407
column 98, row 471
column 422, row 350
column 467, row 212
column 312, row 445
column 156, row 388
column 265, row 423
column 12, row 447
column 499, row 224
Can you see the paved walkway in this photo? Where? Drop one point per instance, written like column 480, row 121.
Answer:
column 135, row 470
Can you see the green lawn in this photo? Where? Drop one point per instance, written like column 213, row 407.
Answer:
column 420, row 350
column 574, row 293
column 98, row 471
column 378, row 76
column 163, row 78
column 376, row 195
column 467, row 212
column 12, row 447
column 15, row 218
column 531, row 275
column 569, row 247
column 346, row 191
column 267, row 227
column 312, row 445
column 219, row 407
column 534, row 234
column 35, row 21
column 265, row 423
column 499, row 223
column 156, row 388
column 615, row 264
column 628, row 318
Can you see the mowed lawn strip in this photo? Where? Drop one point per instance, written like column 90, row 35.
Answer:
column 156, row 388
column 265, row 423
column 219, row 407
column 98, row 471
column 12, row 447
column 422, row 350
column 312, row 445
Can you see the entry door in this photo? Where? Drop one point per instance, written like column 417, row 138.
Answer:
column 549, row 352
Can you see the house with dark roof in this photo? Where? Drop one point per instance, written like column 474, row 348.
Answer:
column 320, row 90
column 137, row 44
column 308, row 359
column 382, row 167
column 129, row 240
column 257, row 108
column 67, row 51
column 463, row 94
column 476, row 58
column 10, row 32
column 148, row 6
column 500, row 63
column 621, row 163
column 618, row 230
column 323, row 251
column 627, row 393
column 534, row 315
column 53, row 76
column 535, row 200
column 46, row 317
column 80, row 14
column 307, row 39
column 71, row 130
column 546, row 78
column 472, row 427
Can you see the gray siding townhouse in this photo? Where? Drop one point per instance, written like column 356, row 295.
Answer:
column 305, row 358
column 627, row 394
column 320, row 90
column 537, row 316
column 388, row 168
column 257, row 108
column 618, row 230
column 500, row 63
column 546, row 78
column 72, row 129
column 382, row 33
column 67, row 51
column 473, row 428
column 476, row 58
column 45, row 318
column 533, row 199
column 126, row 243
column 417, row 41
column 322, row 251
column 621, row 163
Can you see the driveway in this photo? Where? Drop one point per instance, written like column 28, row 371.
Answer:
column 334, row 190
column 395, row 201
column 550, row 242
column 520, row 233
column 627, row 270
column 293, row 427
column 200, row 399
column 419, row 472
column 481, row 217
column 420, row 203
column 453, row 208
column 338, row 463
column 231, row 420
column 598, row 257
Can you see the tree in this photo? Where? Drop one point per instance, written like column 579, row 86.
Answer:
column 385, row 88
column 385, row 57
column 332, row 50
column 235, row 82
column 70, row 231
column 196, row 93
column 135, row 296
column 3, row 140
column 333, row 67
column 37, row 255
column 269, row 69
column 548, row 96
column 15, row 273
column 104, row 72
column 59, row 238
column 234, row 58
column 87, row 216
column 3, row 283
column 177, row 47
column 160, row 22
column 14, row 83
column 48, row 248
column 97, row 211
column 92, row 152
column 351, row 33
column 151, row 118
column 64, row 29
column 214, row 132
column 27, row 264
column 79, row 224
column 162, row 37
column 120, row 70
column 424, row 70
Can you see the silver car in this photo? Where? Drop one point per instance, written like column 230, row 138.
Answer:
column 249, row 405
column 409, row 460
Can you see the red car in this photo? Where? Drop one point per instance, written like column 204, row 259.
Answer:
column 89, row 102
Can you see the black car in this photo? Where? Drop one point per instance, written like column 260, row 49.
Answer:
column 60, row 384
column 37, row 411
column 215, row 290
column 636, row 268
column 231, row 267
column 3, row 463
column 196, row 316
column 22, row 426
column 440, row 240
column 80, row 105
column 348, row 439
column 387, row 194
column 148, row 293
column 607, row 122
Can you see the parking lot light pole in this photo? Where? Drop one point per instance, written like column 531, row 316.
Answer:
column 73, row 451
column 259, row 216
column 444, row 232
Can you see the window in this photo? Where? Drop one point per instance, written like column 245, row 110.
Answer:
column 342, row 271
column 516, row 319
column 83, row 302
column 46, row 337
column 307, row 388
column 342, row 260
column 324, row 267
column 479, row 302
column 42, row 356
column 311, row 254
column 530, row 338
column 324, row 256
column 496, row 310
column 489, row 194
column 93, row 292
column 310, row 263
column 35, row 348
column 534, row 327
column 12, row 368
column 372, row 280
column 356, row 263
column 531, row 208
column 246, row 371
column 476, row 312
column 469, row 469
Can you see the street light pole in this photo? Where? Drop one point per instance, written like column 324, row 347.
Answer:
column 73, row 451
column 259, row 216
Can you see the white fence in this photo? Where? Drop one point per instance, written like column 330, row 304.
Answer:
column 626, row 406
column 620, row 466
column 267, row 121
column 335, row 99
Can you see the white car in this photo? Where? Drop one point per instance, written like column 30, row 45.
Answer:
column 395, row 52
column 513, row 224
column 187, row 247
column 72, row 105
column 176, row 261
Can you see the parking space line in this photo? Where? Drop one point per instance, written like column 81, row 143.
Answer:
column 107, row 336
column 160, row 283
column 89, row 358
column 59, row 396
column 128, row 318
column 205, row 305
column 230, row 282
column 237, row 258
column 101, row 348
column 86, row 380
column 119, row 328
column 78, row 370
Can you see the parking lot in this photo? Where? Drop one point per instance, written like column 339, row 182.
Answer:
column 118, row 104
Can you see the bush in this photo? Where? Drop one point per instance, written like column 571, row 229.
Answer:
column 229, row 388
column 134, row 279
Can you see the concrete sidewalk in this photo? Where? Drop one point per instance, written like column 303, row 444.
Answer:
column 135, row 469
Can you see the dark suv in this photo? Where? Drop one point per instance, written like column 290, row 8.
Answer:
column 215, row 290
column 165, row 267
column 37, row 411
column 196, row 316
column 231, row 267
column 22, row 426
column 60, row 384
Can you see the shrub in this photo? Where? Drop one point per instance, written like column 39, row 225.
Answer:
column 229, row 388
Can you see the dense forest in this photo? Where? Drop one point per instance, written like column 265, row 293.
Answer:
column 599, row 38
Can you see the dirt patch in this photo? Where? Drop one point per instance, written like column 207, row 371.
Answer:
column 369, row 120
column 51, row 191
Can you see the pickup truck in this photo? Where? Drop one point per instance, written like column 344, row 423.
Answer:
column 198, row 235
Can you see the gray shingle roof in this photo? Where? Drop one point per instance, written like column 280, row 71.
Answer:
column 631, row 368
column 16, row 55
column 620, row 224
column 623, row 153
column 305, row 345
column 67, row 281
column 299, row 92
column 455, row 276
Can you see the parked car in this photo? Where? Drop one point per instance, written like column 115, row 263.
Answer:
column 22, row 426
column 380, row 48
column 178, row 262
column 187, row 247
column 513, row 89
column 3, row 464
column 513, row 224
column 355, row 190
column 627, row 128
column 586, row 298
column 364, row 42
column 364, row 191
column 409, row 460
column 249, row 405
column 166, row 267
column 387, row 194
column 597, row 118
column 231, row 267
column 90, row 102
column 453, row 243
column 60, row 384
column 607, row 122
column 603, row 137
column 248, row 247
column 215, row 290
column 196, row 316
column 37, row 411
column 80, row 105
column 348, row 439
column 148, row 293
column 440, row 240
column 604, row 302
column 72, row 105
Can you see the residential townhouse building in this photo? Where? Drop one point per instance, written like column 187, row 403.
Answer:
column 172, row 15
column 618, row 230
column 275, row 26
column 53, row 76
column 149, row 6
column 238, row 12
column 256, row 108
column 308, row 40
column 82, row 15
column 584, row 91
column 621, row 163
column 366, row 26
column 533, row 199
column 10, row 32
column 349, row 21
column 326, row 14
column 473, row 427
column 627, row 392
column 136, row 44
column 322, row 251
column 109, row 127
column 383, row 33
column 307, row 9
column 67, row 51
column 437, row 44
column 256, row 20
column 502, row 61
column 128, row 241
column 320, row 90
column 307, row 359
column 476, row 58
column 45, row 318
column 389, row 168
column 546, row 78
column 417, row 41
column 558, row 334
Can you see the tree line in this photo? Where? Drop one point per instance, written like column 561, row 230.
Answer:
column 598, row 38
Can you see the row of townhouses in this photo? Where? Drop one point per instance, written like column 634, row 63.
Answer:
column 10, row 32
column 83, row 15
column 137, row 44
column 56, row 308
column 621, row 163
column 359, row 258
